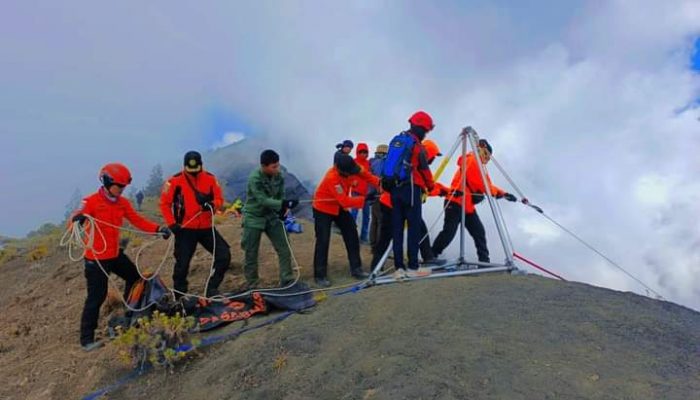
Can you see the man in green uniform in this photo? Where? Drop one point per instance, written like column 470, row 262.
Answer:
column 264, row 209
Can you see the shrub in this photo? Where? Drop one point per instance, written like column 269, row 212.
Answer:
column 159, row 341
column 7, row 254
column 38, row 253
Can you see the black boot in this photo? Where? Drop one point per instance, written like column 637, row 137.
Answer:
column 359, row 274
column 323, row 282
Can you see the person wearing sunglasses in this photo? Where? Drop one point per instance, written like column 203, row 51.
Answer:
column 102, row 214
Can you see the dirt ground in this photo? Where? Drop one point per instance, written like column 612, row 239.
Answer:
column 482, row 337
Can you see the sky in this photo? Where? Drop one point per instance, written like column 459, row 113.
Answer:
column 591, row 107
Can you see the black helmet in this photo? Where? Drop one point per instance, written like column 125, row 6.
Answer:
column 193, row 161
column 346, row 164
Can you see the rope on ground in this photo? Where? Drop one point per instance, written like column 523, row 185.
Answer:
column 521, row 258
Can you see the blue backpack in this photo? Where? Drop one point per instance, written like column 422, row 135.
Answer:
column 397, row 167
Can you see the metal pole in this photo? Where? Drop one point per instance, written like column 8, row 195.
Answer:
column 376, row 268
column 489, row 197
column 511, row 249
column 388, row 279
column 465, row 132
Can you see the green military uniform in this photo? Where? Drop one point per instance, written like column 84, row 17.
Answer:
column 261, row 214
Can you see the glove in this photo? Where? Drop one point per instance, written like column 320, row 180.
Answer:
column 289, row 203
column 165, row 232
column 510, row 197
column 443, row 192
column 525, row 201
column 175, row 228
column 207, row 206
column 79, row 218
column 457, row 193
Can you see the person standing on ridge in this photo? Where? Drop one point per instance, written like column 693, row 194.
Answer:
column 139, row 199
column 188, row 202
column 331, row 202
column 475, row 193
column 376, row 163
column 385, row 230
column 407, row 176
column 344, row 147
column 264, row 209
column 361, row 188
column 108, row 208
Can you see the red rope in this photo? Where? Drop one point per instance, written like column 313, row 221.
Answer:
column 521, row 258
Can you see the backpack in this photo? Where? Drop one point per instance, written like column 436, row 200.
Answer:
column 397, row 166
column 376, row 165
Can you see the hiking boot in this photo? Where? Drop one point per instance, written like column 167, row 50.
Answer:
column 323, row 282
column 360, row 275
column 212, row 292
column 92, row 346
column 418, row 273
column 435, row 262
column 399, row 274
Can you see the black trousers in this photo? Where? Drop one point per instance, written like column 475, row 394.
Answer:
column 385, row 234
column 375, row 222
column 453, row 218
column 348, row 229
column 407, row 208
column 97, row 284
column 186, row 243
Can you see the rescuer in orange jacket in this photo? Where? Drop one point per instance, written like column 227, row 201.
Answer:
column 384, row 237
column 361, row 189
column 331, row 202
column 108, row 208
column 475, row 192
column 187, row 202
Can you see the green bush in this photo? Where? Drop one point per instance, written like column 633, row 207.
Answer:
column 39, row 252
column 8, row 253
column 156, row 340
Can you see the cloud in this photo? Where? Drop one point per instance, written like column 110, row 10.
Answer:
column 228, row 139
column 580, row 100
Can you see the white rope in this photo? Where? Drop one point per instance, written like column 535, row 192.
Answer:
column 575, row 236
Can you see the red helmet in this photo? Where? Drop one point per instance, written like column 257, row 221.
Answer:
column 422, row 119
column 115, row 174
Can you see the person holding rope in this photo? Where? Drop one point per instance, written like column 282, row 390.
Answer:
column 264, row 210
column 331, row 202
column 361, row 188
column 187, row 202
column 407, row 176
column 475, row 193
column 384, row 235
column 106, row 210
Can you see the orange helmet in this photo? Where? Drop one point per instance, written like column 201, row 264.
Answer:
column 115, row 174
column 431, row 148
column 422, row 119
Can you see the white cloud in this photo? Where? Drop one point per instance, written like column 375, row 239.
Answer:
column 580, row 101
column 228, row 138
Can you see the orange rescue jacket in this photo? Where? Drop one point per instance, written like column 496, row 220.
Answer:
column 178, row 200
column 474, row 183
column 109, row 214
column 333, row 192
